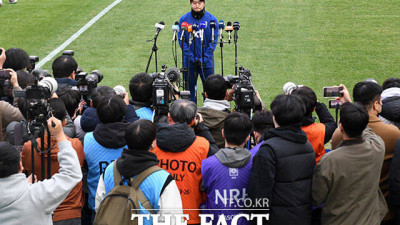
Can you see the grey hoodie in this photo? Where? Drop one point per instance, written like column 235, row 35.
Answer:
column 234, row 157
column 23, row 203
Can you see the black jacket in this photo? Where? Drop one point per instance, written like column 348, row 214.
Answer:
column 178, row 137
column 394, row 178
column 282, row 172
column 391, row 109
column 325, row 118
column 65, row 84
column 90, row 119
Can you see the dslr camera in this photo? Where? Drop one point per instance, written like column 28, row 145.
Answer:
column 88, row 82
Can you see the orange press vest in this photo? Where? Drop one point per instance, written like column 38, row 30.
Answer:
column 185, row 168
column 316, row 136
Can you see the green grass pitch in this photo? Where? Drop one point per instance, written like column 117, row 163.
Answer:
column 311, row 42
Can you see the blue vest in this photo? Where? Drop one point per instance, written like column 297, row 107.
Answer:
column 225, row 189
column 97, row 158
column 255, row 149
column 151, row 188
column 145, row 113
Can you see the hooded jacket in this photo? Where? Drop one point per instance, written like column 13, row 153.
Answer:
column 159, row 188
column 180, row 153
column 282, row 172
column 89, row 119
column 22, row 203
column 101, row 147
column 225, row 178
column 71, row 207
column 214, row 113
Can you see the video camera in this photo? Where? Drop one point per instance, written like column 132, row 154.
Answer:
column 164, row 91
column 37, row 96
column 244, row 90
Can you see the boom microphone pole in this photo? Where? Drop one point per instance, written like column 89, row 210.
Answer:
column 160, row 26
column 236, row 27
column 221, row 43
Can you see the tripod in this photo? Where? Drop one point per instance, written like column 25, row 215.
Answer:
column 38, row 131
column 153, row 50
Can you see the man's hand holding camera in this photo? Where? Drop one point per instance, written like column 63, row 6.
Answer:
column 56, row 129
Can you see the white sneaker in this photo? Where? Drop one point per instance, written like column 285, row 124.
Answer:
column 1, row 3
column 13, row 1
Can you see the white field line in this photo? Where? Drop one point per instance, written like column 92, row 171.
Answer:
column 76, row 35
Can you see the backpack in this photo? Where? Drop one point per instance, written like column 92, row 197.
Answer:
column 123, row 200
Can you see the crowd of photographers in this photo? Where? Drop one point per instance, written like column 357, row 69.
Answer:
column 68, row 142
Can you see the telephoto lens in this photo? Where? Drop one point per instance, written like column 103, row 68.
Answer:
column 50, row 83
column 289, row 87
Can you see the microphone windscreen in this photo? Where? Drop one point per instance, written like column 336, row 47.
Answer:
column 160, row 25
column 203, row 25
column 236, row 25
column 184, row 26
column 212, row 24
column 175, row 27
column 221, row 24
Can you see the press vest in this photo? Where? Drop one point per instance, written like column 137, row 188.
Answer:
column 151, row 188
column 97, row 158
column 225, row 189
column 316, row 136
column 145, row 113
column 185, row 168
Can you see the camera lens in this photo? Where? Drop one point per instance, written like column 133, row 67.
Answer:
column 50, row 83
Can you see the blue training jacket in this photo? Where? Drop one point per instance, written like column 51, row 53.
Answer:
column 209, row 46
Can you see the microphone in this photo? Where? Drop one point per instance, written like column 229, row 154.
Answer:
column 184, row 26
column 190, row 31
column 195, row 28
column 236, row 27
column 203, row 26
column 175, row 29
column 160, row 26
column 221, row 28
column 229, row 29
column 212, row 25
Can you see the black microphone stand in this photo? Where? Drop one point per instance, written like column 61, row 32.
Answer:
column 221, row 44
column 153, row 50
column 184, row 68
column 195, row 67
column 203, row 49
column 235, row 37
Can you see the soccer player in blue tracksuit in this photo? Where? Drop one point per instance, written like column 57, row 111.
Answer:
column 195, row 17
